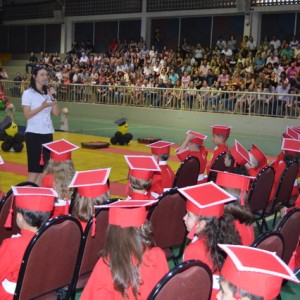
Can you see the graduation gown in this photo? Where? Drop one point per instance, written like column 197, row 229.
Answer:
column 163, row 179
column 100, row 283
column 11, row 254
column 246, row 233
column 197, row 250
column 202, row 157
column 217, row 151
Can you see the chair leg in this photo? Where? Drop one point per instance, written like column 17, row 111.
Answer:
column 274, row 219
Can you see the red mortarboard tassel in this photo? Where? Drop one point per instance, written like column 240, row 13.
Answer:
column 93, row 226
column 67, row 206
column 192, row 232
column 292, row 262
column 242, row 202
column 42, row 159
column 8, row 221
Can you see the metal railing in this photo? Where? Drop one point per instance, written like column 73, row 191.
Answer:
column 219, row 101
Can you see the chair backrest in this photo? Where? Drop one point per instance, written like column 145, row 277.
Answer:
column 286, row 184
column 218, row 165
column 190, row 280
column 50, row 259
column 5, row 205
column 187, row 173
column 270, row 241
column 289, row 227
column 91, row 247
column 260, row 189
column 167, row 219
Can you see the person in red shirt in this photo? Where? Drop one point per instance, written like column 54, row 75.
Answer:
column 258, row 161
column 220, row 136
column 92, row 189
column 208, row 225
column 165, row 178
column 141, row 170
column 238, row 185
column 193, row 146
column 130, row 266
column 252, row 274
column 290, row 151
column 34, row 206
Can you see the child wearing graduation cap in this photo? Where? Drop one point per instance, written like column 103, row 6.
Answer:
column 141, row 171
column 236, row 159
column 238, row 186
column 208, row 225
column 130, row 266
column 291, row 151
column 193, row 146
column 34, row 206
column 252, row 274
column 220, row 136
column 92, row 189
column 165, row 178
column 59, row 172
column 258, row 161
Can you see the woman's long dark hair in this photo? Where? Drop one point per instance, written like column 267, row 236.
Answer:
column 33, row 82
column 123, row 254
column 219, row 231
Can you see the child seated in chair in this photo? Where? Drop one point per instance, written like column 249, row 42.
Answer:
column 193, row 146
column 92, row 189
column 34, row 206
column 236, row 158
column 252, row 274
column 141, row 170
column 59, row 172
column 258, row 161
column 208, row 225
column 220, row 136
column 165, row 178
column 290, row 152
column 129, row 266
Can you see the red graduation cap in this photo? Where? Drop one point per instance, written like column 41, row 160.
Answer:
column 255, row 271
column 296, row 128
column 142, row 167
column 240, row 154
column 291, row 146
column 60, row 150
column 235, row 181
column 32, row 198
column 91, row 183
column 292, row 133
column 128, row 213
column 198, row 137
column 160, row 147
column 206, row 199
column 259, row 155
column 221, row 129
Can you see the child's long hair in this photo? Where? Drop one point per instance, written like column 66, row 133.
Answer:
column 219, row 231
column 139, row 184
column 241, row 213
column 123, row 254
column 83, row 208
column 63, row 172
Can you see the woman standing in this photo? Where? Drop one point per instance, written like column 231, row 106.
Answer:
column 38, row 102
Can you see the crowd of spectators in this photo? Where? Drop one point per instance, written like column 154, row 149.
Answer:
column 193, row 75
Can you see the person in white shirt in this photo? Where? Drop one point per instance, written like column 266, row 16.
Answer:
column 38, row 103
